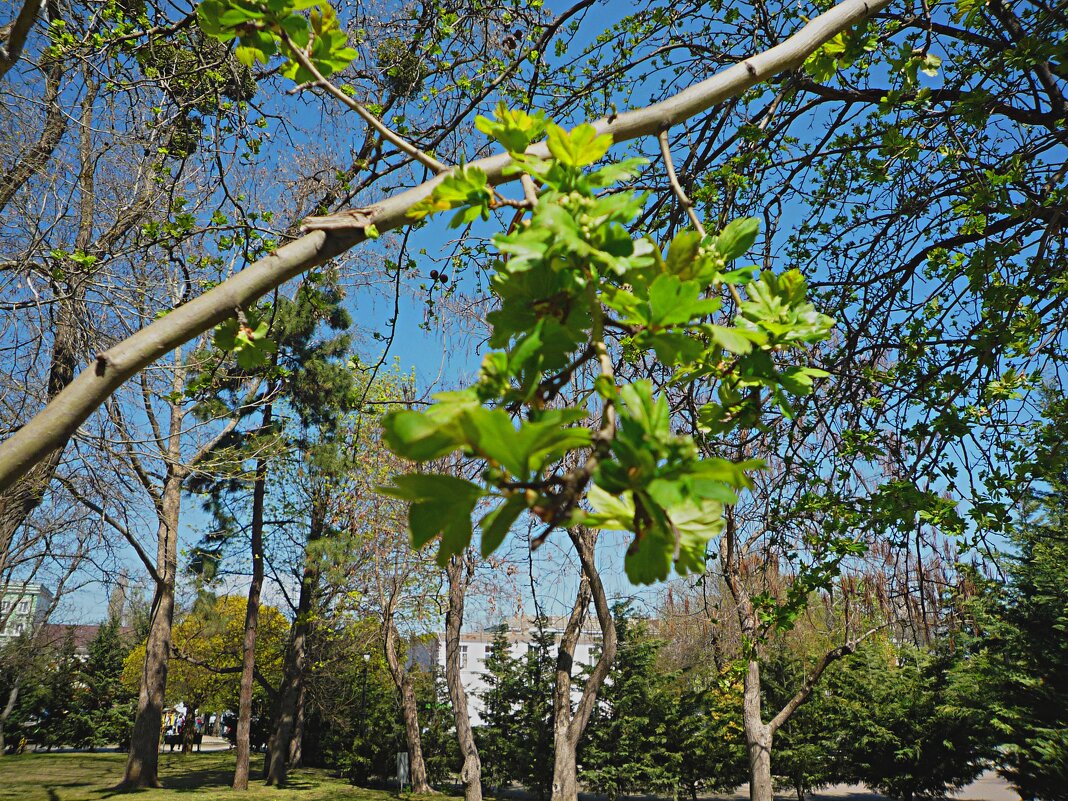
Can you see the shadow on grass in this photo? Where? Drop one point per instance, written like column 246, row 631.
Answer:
column 185, row 773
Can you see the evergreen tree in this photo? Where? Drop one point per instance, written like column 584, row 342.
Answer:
column 534, row 735
column 496, row 737
column 806, row 747
column 903, row 727
column 515, row 740
column 441, row 749
column 50, row 702
column 1022, row 663
column 627, row 747
column 708, row 732
column 104, row 709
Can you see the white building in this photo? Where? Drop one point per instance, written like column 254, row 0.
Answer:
column 475, row 647
column 22, row 606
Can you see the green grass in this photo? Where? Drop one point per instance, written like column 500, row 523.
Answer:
column 93, row 777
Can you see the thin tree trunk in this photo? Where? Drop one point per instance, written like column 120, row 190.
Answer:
column 142, row 765
column 568, row 725
column 279, row 747
column 252, row 619
column 189, row 733
column 460, row 571
column 409, row 707
column 9, row 707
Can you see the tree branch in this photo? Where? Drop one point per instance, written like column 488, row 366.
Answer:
column 810, row 683
column 60, row 418
column 16, row 33
column 115, row 524
column 387, row 133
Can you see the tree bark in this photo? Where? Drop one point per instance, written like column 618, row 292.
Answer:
column 568, row 725
column 758, row 737
column 142, row 765
column 460, row 572
column 409, row 707
column 252, row 618
column 9, row 707
column 296, row 741
column 280, row 746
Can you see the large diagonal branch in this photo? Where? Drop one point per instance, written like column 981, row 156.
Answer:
column 16, row 33
column 60, row 418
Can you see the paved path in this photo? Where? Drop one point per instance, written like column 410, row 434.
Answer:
column 988, row 787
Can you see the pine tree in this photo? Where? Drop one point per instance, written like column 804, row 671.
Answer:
column 535, row 749
column 627, row 748
column 496, row 736
column 1022, row 664
column 104, row 710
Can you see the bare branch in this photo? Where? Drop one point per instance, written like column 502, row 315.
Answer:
column 60, row 418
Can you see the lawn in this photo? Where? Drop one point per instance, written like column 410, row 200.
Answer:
column 92, row 777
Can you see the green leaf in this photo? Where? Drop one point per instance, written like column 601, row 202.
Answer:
column 496, row 524
column 463, row 187
column 610, row 512
column 737, row 237
column 651, row 414
column 930, row 65
column 673, row 301
column 422, row 436
column 513, row 129
column 731, row 339
column 683, row 252
column 580, row 147
column 441, row 506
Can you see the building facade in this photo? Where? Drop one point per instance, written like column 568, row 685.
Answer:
column 22, row 606
column 475, row 647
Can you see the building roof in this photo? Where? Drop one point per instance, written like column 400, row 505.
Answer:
column 56, row 634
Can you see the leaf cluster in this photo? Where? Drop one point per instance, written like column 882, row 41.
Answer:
column 572, row 281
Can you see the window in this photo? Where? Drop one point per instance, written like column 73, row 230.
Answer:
column 463, row 657
column 24, row 606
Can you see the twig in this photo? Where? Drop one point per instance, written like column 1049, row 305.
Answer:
column 684, row 200
column 396, row 139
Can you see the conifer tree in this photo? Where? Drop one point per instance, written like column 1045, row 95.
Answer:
column 627, row 749
column 500, row 699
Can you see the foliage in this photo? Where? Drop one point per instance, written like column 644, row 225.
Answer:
column 63, row 700
column 106, row 708
column 206, row 669
column 900, row 723
column 1020, row 664
column 515, row 741
column 567, row 277
column 263, row 28
column 628, row 748
column 707, row 731
column 497, row 737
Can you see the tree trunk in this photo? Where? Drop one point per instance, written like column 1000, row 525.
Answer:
column 142, row 765
column 252, row 620
column 460, row 571
column 409, row 707
column 279, row 748
column 9, row 707
column 296, row 741
column 189, row 733
column 758, row 736
column 568, row 725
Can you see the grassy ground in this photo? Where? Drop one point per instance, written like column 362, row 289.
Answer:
column 195, row 777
